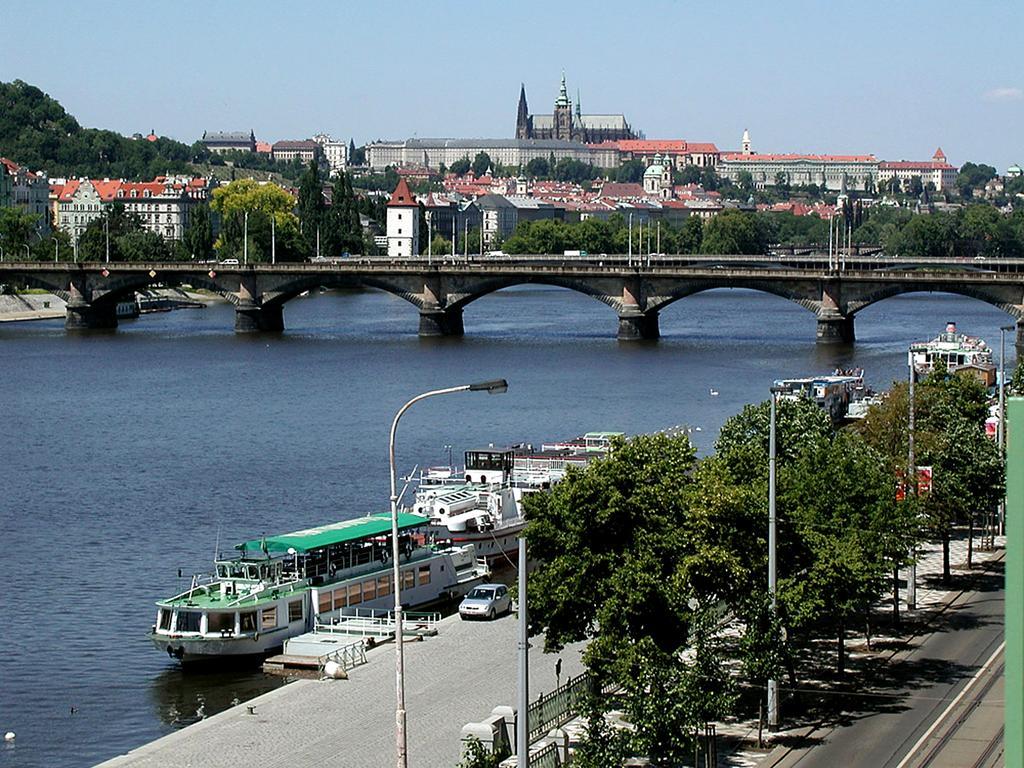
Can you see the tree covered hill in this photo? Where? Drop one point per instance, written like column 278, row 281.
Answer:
column 37, row 132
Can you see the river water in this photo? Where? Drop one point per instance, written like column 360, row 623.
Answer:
column 130, row 455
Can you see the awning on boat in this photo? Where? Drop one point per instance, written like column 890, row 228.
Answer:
column 334, row 533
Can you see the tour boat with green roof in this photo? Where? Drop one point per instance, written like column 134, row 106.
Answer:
column 278, row 587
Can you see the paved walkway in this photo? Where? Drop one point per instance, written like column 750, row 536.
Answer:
column 457, row 677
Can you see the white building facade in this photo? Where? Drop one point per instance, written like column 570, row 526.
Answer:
column 334, row 152
column 432, row 153
column 937, row 172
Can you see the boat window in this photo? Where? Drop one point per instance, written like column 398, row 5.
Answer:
column 220, row 622
column 369, row 589
column 250, row 572
column 424, row 575
column 294, row 611
column 340, row 595
column 222, row 571
column 383, row 586
column 408, row 579
column 323, row 602
column 355, row 594
column 163, row 619
column 268, row 617
column 188, row 621
column 247, row 621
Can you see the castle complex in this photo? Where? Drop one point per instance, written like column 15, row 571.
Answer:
column 567, row 124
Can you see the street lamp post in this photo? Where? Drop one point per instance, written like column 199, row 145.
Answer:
column 273, row 238
column 493, row 387
column 911, row 483
column 28, row 252
column 56, row 250
column 773, row 684
column 630, row 251
column 245, row 238
column 106, row 233
column 1001, row 432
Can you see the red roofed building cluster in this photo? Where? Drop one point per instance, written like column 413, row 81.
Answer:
column 163, row 205
column 936, row 171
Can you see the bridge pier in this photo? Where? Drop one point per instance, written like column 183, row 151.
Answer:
column 636, row 326
column 835, row 329
column 251, row 317
column 83, row 316
column 441, row 322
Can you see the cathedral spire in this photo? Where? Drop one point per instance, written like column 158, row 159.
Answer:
column 579, row 115
column 563, row 95
column 523, row 115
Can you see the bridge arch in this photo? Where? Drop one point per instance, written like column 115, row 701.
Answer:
column 999, row 298
column 489, row 286
column 659, row 303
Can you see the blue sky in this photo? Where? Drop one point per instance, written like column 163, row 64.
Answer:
column 895, row 79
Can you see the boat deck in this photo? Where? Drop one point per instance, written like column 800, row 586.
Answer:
column 457, row 677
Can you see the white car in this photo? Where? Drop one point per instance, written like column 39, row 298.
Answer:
column 486, row 602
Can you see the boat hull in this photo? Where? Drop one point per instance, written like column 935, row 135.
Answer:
column 192, row 650
column 494, row 545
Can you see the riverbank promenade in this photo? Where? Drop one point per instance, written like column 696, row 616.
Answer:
column 452, row 679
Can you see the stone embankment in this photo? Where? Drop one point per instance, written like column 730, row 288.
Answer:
column 47, row 306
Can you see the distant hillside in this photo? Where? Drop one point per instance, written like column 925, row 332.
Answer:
column 36, row 132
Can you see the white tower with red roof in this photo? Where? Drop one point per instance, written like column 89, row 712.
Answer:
column 403, row 223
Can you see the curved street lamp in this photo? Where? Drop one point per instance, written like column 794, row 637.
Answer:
column 494, row 387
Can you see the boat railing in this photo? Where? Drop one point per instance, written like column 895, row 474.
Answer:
column 378, row 621
column 280, row 587
column 347, row 656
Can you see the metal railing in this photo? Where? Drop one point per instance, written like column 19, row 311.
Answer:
column 348, row 656
column 556, row 708
column 546, row 757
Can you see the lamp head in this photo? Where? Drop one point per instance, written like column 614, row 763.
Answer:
column 291, row 550
column 496, row 387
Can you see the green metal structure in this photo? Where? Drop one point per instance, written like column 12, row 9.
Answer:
column 1014, row 733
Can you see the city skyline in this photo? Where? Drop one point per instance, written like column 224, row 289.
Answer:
column 896, row 82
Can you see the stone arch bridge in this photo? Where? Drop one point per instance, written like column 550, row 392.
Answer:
column 637, row 290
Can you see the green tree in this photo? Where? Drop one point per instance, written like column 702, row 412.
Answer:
column 631, row 171
column 233, row 201
column 973, row 176
column 461, row 166
column 481, row 163
column 110, row 226
column 310, row 207
column 691, row 236
column 622, row 563
column 197, row 242
column 734, row 231
column 16, row 231
column 538, row 168
column 142, row 245
column 915, row 187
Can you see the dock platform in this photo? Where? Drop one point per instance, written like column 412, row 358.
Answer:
column 452, row 679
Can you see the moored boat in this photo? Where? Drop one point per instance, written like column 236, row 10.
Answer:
column 482, row 504
column 278, row 587
column 957, row 352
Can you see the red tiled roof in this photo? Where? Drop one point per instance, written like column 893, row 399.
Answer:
column 664, row 146
column 11, row 166
column 402, row 197
column 621, row 189
column 263, row 146
column 910, row 165
column 812, row 158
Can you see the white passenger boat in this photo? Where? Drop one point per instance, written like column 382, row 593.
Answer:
column 958, row 352
column 278, row 587
column 482, row 504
